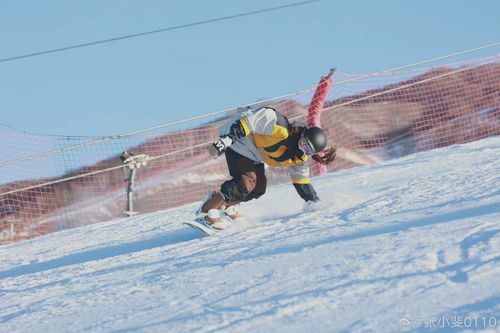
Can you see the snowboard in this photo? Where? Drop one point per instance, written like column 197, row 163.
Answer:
column 201, row 227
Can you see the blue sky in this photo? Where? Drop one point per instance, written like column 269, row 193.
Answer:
column 122, row 86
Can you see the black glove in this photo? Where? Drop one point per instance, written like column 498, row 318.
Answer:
column 219, row 146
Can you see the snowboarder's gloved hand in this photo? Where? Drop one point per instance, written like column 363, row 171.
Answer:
column 219, row 146
column 312, row 206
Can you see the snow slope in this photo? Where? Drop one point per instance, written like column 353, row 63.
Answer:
column 406, row 245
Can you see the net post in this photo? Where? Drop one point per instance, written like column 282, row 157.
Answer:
column 134, row 162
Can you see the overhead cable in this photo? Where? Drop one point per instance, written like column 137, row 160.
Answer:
column 145, row 33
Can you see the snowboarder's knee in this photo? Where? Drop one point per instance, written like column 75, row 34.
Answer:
column 255, row 195
column 259, row 189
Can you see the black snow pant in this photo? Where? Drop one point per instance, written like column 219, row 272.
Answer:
column 249, row 179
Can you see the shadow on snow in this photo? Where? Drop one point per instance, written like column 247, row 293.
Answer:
column 103, row 253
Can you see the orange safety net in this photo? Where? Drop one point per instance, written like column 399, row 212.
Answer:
column 368, row 118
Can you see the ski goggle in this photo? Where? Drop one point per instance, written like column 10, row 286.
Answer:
column 304, row 147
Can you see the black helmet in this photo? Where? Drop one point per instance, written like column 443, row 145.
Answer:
column 315, row 139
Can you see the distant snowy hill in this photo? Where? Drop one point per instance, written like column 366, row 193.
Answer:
column 407, row 245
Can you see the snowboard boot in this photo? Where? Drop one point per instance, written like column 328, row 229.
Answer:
column 231, row 210
column 210, row 210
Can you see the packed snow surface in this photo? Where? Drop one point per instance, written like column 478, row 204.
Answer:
column 407, row 245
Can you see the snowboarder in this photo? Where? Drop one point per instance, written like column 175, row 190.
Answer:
column 252, row 138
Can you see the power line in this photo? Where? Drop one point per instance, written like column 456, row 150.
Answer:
column 176, row 27
column 12, row 127
column 41, row 134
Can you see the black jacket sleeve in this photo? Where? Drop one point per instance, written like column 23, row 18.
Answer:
column 306, row 192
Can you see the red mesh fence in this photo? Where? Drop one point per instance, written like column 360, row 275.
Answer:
column 367, row 117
